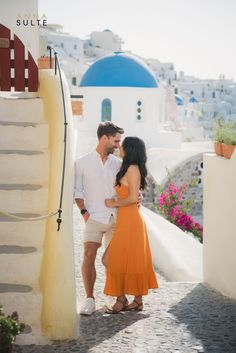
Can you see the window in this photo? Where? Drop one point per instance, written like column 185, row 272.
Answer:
column 139, row 110
column 74, row 81
column 75, row 46
column 106, row 109
column 62, row 45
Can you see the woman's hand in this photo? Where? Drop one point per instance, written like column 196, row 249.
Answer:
column 140, row 198
column 111, row 203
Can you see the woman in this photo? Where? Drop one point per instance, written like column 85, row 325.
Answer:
column 128, row 258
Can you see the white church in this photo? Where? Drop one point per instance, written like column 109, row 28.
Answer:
column 121, row 88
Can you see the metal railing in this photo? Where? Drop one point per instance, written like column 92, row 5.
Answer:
column 57, row 67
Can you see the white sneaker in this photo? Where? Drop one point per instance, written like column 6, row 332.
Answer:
column 88, row 307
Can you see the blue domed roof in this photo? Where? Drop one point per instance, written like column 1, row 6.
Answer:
column 193, row 100
column 179, row 100
column 119, row 70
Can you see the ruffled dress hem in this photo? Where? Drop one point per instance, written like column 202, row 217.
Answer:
column 130, row 284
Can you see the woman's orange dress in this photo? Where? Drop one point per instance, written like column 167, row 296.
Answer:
column 129, row 269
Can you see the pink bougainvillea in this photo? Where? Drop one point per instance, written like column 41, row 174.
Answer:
column 175, row 208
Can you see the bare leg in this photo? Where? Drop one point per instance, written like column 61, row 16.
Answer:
column 88, row 267
column 120, row 304
column 105, row 257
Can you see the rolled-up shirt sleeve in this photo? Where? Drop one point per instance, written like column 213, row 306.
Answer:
column 78, row 190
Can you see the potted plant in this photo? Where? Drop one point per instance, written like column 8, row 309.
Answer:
column 229, row 144
column 10, row 327
column 44, row 62
column 219, row 131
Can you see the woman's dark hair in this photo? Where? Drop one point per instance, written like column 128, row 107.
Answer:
column 134, row 154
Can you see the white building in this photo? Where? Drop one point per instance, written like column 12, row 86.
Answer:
column 164, row 71
column 106, row 40
column 122, row 89
column 70, row 52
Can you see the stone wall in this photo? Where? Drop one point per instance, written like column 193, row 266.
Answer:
column 184, row 173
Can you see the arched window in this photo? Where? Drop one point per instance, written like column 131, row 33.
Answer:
column 106, row 110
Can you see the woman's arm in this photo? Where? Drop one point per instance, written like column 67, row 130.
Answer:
column 134, row 179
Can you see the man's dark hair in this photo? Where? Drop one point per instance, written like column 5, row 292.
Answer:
column 108, row 129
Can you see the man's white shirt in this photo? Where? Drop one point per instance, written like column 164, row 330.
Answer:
column 94, row 182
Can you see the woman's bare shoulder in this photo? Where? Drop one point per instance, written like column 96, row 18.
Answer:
column 133, row 170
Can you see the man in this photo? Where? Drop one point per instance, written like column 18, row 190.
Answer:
column 94, row 182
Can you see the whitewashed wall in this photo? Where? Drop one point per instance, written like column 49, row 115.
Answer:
column 219, row 260
column 106, row 40
column 124, row 113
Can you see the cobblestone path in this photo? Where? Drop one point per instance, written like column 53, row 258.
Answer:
column 177, row 318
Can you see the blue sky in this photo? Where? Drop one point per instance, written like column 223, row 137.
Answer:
column 198, row 36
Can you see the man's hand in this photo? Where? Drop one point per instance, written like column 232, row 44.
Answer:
column 140, row 198
column 86, row 216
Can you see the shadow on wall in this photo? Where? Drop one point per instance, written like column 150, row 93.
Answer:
column 210, row 317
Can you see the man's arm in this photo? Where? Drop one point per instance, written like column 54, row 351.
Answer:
column 79, row 192
column 81, row 205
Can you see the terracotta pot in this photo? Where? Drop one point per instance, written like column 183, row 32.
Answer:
column 228, row 150
column 218, row 148
column 44, row 62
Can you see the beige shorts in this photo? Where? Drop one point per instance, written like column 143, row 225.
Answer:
column 97, row 232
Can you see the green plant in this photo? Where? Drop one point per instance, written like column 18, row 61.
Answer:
column 225, row 132
column 230, row 137
column 219, row 130
column 10, row 327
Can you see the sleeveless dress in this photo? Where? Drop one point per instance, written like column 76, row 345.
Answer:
column 129, row 269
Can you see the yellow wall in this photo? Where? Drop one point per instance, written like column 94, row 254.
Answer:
column 219, row 260
column 57, row 279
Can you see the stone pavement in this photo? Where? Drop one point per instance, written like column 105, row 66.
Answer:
column 177, row 318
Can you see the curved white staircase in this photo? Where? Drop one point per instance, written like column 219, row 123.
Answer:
column 24, row 176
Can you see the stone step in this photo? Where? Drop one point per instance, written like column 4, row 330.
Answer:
column 24, row 167
column 20, row 187
column 15, row 201
column 17, row 123
column 19, row 95
column 14, row 288
column 23, row 233
column 34, row 337
column 16, row 249
column 21, row 268
column 23, row 137
column 20, row 152
column 28, row 305
column 8, row 218
column 22, row 110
